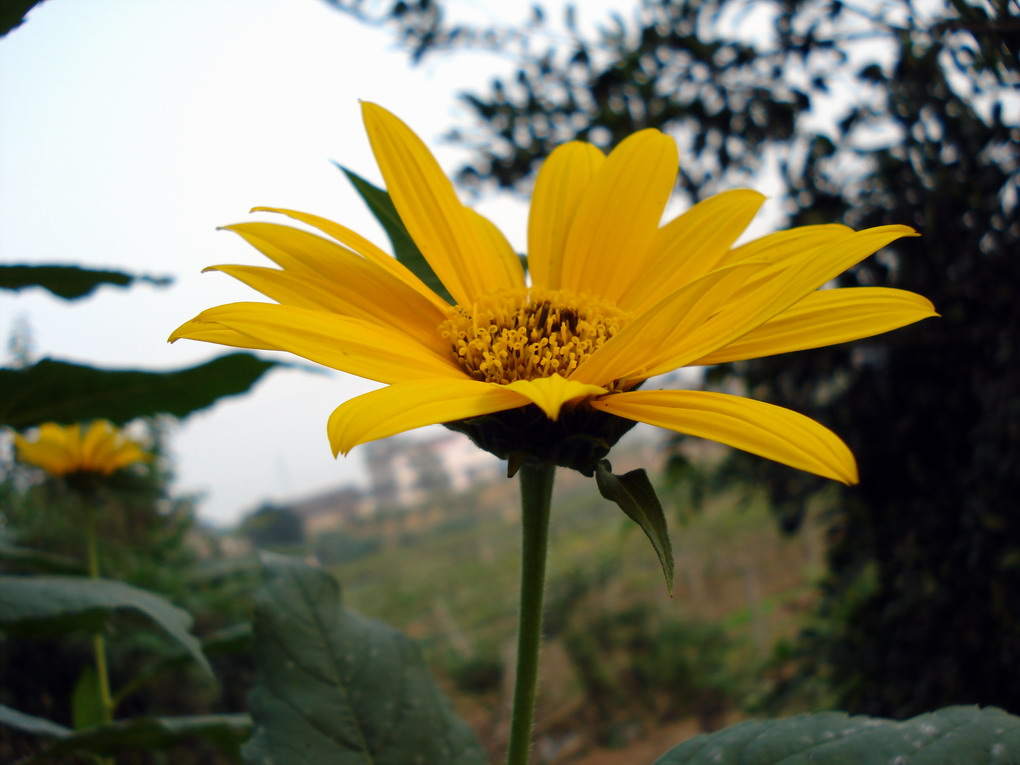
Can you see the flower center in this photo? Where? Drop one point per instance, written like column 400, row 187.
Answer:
column 529, row 335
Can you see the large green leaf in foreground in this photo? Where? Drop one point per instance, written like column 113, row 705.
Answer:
column 51, row 604
column 950, row 736
column 69, row 282
column 58, row 391
column 335, row 687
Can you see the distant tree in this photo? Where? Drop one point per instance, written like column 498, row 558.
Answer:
column 923, row 595
column 273, row 526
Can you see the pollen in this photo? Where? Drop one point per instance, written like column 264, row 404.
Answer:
column 531, row 335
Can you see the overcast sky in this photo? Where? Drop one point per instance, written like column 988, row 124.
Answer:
column 131, row 130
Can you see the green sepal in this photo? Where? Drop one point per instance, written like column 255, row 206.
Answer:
column 960, row 734
column 635, row 495
column 404, row 248
column 577, row 440
column 70, row 282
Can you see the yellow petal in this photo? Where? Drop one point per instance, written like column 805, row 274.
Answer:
column 692, row 245
column 770, row 291
column 292, row 289
column 429, row 208
column 559, row 188
column 50, row 455
column 408, row 405
column 128, row 454
column 826, row 318
column 764, row 429
column 97, row 446
column 619, row 215
column 498, row 244
column 790, row 243
column 70, row 439
column 627, row 354
column 203, row 331
column 285, row 287
column 340, row 342
column 366, row 289
column 550, row 393
column 364, row 248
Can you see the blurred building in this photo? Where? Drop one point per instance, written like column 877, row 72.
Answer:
column 330, row 511
column 409, row 472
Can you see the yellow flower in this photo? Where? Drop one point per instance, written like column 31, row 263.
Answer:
column 102, row 449
column 549, row 370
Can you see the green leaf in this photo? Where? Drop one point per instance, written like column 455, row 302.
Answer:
column 406, row 251
column 969, row 735
column 39, row 560
column 335, row 687
column 52, row 604
column 59, row 391
column 227, row 732
column 86, row 707
column 69, row 282
column 233, row 639
column 12, row 13
column 635, row 495
column 37, row 726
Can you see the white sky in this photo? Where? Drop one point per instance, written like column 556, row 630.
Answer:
column 131, row 130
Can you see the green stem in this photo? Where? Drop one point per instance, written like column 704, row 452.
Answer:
column 98, row 638
column 536, row 496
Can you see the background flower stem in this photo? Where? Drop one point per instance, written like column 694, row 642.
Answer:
column 536, row 495
column 98, row 638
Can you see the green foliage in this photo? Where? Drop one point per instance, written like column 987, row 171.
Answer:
column 635, row 495
column 226, row 732
column 404, row 248
column 333, row 548
column 953, row 735
column 59, row 391
column 25, row 558
column 51, row 604
column 635, row 665
column 333, row 686
column 477, row 675
column 12, row 13
column 37, row 726
column 86, row 711
column 272, row 526
column 930, row 412
column 69, row 282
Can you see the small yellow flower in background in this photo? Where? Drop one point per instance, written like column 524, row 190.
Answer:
column 549, row 370
column 101, row 449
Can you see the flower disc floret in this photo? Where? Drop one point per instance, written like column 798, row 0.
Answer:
column 529, row 336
